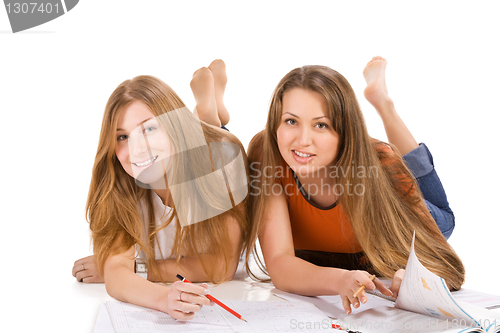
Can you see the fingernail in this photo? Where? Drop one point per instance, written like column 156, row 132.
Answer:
column 212, row 303
column 206, row 292
column 371, row 286
column 363, row 300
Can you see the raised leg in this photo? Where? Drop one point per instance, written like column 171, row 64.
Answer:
column 376, row 93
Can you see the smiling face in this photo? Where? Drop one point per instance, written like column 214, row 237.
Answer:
column 141, row 144
column 306, row 139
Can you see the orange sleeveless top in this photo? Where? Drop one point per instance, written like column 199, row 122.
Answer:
column 328, row 229
column 315, row 228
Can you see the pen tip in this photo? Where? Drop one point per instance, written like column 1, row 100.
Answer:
column 244, row 320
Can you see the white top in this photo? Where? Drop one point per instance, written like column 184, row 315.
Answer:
column 165, row 237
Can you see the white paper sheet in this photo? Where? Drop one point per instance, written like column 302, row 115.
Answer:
column 260, row 316
column 332, row 305
column 424, row 292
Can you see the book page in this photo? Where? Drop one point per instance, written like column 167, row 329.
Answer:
column 393, row 320
column 260, row 316
column 483, row 300
column 424, row 292
column 489, row 320
column 332, row 305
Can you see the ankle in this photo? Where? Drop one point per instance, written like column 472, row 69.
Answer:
column 386, row 110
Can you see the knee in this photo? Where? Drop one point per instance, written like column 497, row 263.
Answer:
column 445, row 219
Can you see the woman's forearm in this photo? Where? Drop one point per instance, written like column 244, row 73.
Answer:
column 126, row 286
column 298, row 276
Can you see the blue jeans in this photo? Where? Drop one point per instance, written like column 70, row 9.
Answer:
column 420, row 163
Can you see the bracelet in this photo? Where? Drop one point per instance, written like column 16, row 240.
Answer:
column 141, row 268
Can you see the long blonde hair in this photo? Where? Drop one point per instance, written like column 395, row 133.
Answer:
column 383, row 218
column 114, row 196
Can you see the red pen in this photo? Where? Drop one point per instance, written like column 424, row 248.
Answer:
column 215, row 300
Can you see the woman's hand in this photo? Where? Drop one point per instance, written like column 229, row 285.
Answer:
column 396, row 282
column 353, row 280
column 84, row 270
column 184, row 299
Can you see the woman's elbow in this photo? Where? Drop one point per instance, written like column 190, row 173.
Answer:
column 112, row 288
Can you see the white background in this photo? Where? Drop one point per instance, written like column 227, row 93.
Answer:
column 442, row 73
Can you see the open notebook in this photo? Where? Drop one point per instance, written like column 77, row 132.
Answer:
column 262, row 317
column 424, row 305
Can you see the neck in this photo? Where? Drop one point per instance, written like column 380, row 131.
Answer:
column 164, row 194
column 319, row 187
column 320, row 177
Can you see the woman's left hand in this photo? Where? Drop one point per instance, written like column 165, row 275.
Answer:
column 396, row 282
column 84, row 270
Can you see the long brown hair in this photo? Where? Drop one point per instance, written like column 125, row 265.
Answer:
column 383, row 218
column 114, row 196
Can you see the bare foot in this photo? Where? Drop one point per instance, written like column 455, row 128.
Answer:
column 203, row 89
column 376, row 93
column 218, row 68
column 376, row 88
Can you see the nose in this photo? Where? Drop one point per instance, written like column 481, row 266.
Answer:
column 305, row 136
column 137, row 145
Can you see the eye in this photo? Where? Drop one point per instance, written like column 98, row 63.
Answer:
column 149, row 129
column 321, row 125
column 122, row 137
column 290, row 121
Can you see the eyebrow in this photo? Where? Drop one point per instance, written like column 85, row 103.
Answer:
column 294, row 115
column 139, row 124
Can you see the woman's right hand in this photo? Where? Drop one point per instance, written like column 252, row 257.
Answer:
column 184, row 299
column 352, row 281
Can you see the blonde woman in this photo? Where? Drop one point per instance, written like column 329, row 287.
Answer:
column 331, row 205
column 167, row 191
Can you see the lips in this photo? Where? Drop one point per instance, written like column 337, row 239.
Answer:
column 145, row 163
column 301, row 156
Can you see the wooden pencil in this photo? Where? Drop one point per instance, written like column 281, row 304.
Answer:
column 363, row 287
column 215, row 300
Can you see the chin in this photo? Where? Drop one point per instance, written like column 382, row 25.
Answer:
column 153, row 176
column 302, row 170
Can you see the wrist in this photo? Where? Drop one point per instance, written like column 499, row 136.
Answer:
column 162, row 300
column 339, row 276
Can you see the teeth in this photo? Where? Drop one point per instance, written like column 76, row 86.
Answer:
column 146, row 162
column 301, row 154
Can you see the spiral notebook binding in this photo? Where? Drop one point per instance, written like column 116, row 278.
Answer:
column 379, row 294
